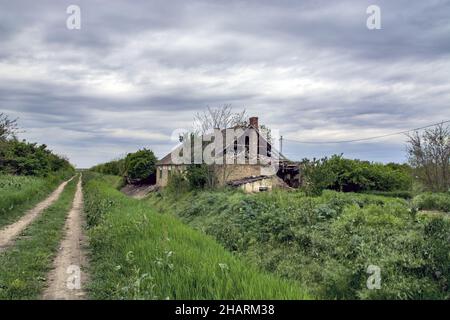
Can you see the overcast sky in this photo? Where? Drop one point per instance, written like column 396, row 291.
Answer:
column 137, row 70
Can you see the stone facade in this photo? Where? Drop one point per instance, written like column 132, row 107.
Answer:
column 237, row 171
column 232, row 172
column 258, row 186
column 163, row 172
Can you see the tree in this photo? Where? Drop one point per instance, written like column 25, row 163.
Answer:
column 218, row 118
column 140, row 165
column 8, row 127
column 429, row 155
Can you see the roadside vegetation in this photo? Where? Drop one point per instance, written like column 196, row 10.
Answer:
column 348, row 175
column 433, row 201
column 25, row 158
column 326, row 242
column 137, row 167
column 113, row 167
column 20, row 193
column 29, row 159
column 28, row 172
column 24, row 266
column 138, row 253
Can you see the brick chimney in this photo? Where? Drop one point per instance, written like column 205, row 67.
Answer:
column 254, row 122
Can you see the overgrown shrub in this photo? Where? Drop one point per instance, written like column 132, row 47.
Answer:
column 137, row 167
column 433, row 201
column 115, row 167
column 24, row 158
column 340, row 174
column 140, row 165
column 177, row 183
column 30, row 159
column 197, row 175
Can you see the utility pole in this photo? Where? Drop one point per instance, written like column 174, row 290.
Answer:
column 281, row 144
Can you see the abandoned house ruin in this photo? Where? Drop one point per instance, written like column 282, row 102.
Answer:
column 253, row 174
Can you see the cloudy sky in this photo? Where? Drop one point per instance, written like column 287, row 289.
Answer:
column 137, row 70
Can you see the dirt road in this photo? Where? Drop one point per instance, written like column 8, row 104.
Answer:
column 67, row 279
column 10, row 232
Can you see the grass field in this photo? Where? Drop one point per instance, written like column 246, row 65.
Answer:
column 24, row 266
column 228, row 245
column 20, row 193
column 138, row 253
column 328, row 242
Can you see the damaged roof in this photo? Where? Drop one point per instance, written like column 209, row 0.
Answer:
column 167, row 160
column 240, row 182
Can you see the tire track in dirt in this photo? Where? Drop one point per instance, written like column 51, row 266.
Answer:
column 9, row 233
column 67, row 279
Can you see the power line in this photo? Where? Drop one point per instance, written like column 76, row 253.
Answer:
column 365, row 139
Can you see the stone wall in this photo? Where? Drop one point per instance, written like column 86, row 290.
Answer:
column 258, row 186
column 232, row 172
column 163, row 173
column 238, row 171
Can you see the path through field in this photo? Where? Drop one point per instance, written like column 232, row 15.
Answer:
column 9, row 233
column 67, row 279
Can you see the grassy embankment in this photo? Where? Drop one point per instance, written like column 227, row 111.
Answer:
column 328, row 242
column 24, row 266
column 20, row 193
column 138, row 253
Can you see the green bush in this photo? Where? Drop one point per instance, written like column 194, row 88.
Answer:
column 137, row 167
column 337, row 173
column 24, row 158
column 115, row 167
column 140, row 165
column 30, row 159
column 177, row 183
column 432, row 201
column 197, row 175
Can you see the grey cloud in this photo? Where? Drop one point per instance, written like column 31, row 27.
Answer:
column 145, row 67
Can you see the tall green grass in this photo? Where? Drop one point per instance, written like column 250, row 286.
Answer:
column 24, row 266
column 326, row 242
column 138, row 253
column 20, row 193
